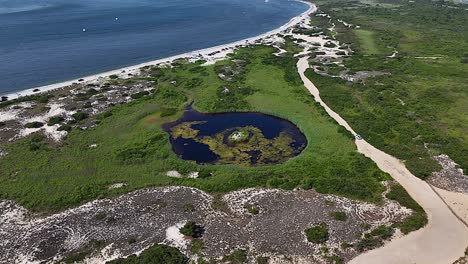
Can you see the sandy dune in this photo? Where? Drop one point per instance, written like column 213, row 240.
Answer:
column 442, row 241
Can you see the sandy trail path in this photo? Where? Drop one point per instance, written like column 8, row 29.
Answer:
column 445, row 237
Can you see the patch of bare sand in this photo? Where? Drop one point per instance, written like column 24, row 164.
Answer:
column 445, row 237
column 458, row 202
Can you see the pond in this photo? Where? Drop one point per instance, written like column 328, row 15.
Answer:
column 243, row 138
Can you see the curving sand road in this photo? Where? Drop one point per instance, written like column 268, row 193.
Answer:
column 445, row 237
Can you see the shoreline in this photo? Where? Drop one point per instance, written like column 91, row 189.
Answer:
column 208, row 54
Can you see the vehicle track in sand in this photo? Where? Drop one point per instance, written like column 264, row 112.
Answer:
column 443, row 240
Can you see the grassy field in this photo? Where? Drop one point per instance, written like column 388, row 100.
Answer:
column 133, row 149
column 419, row 110
column 367, row 41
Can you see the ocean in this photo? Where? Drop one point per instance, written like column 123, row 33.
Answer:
column 48, row 41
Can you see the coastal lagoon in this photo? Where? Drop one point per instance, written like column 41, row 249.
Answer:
column 47, row 41
column 244, row 138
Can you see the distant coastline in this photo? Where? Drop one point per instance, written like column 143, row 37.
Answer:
column 211, row 55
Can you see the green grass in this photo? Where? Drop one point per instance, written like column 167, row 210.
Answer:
column 419, row 110
column 367, row 41
column 133, row 148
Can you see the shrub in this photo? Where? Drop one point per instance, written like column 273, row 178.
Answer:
column 54, row 120
column 375, row 238
column 382, row 231
column 203, row 174
column 192, row 230
column 34, row 124
column 238, row 256
column 197, row 246
column 262, row 260
column 78, row 116
column 339, row 216
column 317, row 233
column 139, row 95
column 368, row 242
column 64, row 127
column 155, row 254
column 36, row 142
column 113, row 76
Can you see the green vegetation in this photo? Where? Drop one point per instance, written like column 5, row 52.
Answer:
column 134, row 149
column 413, row 222
column 55, row 120
column 238, row 256
column 375, row 238
column 317, row 233
column 191, row 229
column 154, row 255
column 196, row 246
column 42, row 99
column 79, row 256
column 367, row 41
column 245, row 145
column 78, row 116
column 419, row 108
column 339, row 216
column 34, row 124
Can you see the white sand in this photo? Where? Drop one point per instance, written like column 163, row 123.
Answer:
column 194, row 55
column 445, row 237
column 458, row 202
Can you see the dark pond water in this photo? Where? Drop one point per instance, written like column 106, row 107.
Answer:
column 212, row 124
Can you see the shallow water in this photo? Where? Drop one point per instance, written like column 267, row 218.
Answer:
column 43, row 42
column 210, row 125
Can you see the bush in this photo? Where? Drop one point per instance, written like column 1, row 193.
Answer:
column 375, row 238
column 78, row 116
column 155, row 254
column 54, row 120
column 34, row 125
column 139, row 95
column 196, row 246
column 382, row 231
column 339, row 216
column 64, row 127
column 36, row 142
column 238, row 256
column 114, row 76
column 317, row 234
column 192, row 230
column 203, row 174
column 368, row 242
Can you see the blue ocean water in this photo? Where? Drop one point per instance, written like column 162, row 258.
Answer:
column 43, row 41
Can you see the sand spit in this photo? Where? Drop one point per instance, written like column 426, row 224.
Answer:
column 128, row 224
column 445, row 237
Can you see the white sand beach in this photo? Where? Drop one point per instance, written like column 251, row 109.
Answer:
column 210, row 55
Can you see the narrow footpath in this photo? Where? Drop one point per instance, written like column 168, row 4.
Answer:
column 442, row 241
